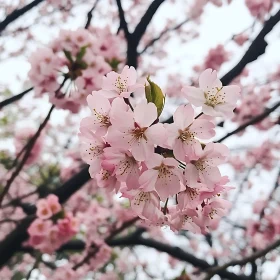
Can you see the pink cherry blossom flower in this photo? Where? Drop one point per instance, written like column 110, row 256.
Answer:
column 205, row 168
column 146, row 205
column 214, row 210
column 184, row 220
column 106, row 179
column 91, row 149
column 218, row 188
column 126, row 168
column 136, row 131
column 183, row 133
column 43, row 209
column 39, row 227
column 215, row 99
column 100, row 107
column 163, row 175
column 115, row 85
column 53, row 203
column 68, row 226
column 189, row 198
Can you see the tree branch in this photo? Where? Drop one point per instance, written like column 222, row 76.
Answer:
column 256, row 49
column 145, row 20
column 14, row 98
column 89, row 15
column 123, row 23
column 18, row 13
column 254, row 120
column 29, row 147
column 251, row 258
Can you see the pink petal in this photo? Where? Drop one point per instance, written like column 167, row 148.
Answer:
column 194, row 95
column 207, row 79
column 148, row 180
column 145, row 114
column 183, row 116
column 191, row 175
column 203, row 129
column 141, row 149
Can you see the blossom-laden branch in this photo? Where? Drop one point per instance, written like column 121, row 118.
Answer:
column 25, row 157
column 244, row 261
column 94, row 248
column 18, row 13
column 136, row 239
column 13, row 242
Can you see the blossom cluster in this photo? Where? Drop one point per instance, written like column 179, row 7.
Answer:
column 128, row 150
column 72, row 66
column 52, row 227
column 265, row 229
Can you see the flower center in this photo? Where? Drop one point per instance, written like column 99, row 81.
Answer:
column 139, row 132
column 199, row 164
column 185, row 135
column 104, row 119
column 212, row 213
column 141, row 197
column 121, row 84
column 193, row 193
column 163, row 170
column 214, row 97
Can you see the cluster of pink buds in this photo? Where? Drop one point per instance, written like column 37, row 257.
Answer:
column 71, row 67
column 169, row 176
column 53, row 227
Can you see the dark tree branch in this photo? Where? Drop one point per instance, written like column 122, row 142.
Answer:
column 13, row 241
column 175, row 252
column 145, row 21
column 18, row 13
column 134, row 38
column 14, row 98
column 256, row 49
column 254, row 120
column 256, row 255
column 89, row 15
column 135, row 239
column 123, row 23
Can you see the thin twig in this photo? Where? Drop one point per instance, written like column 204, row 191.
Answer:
column 244, row 261
column 18, row 13
column 26, row 155
column 153, row 41
column 254, row 120
column 89, row 15
column 14, row 98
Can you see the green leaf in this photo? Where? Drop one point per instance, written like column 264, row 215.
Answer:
column 155, row 95
column 68, row 56
column 81, row 53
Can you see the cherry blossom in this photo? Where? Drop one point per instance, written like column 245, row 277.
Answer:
column 115, row 85
column 205, row 169
column 183, row 133
column 215, row 99
column 137, row 131
column 162, row 175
